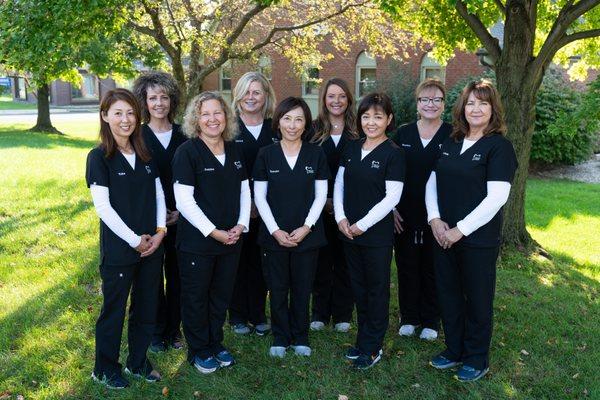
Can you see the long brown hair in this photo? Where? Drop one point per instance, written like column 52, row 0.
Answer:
column 322, row 124
column 484, row 90
column 107, row 140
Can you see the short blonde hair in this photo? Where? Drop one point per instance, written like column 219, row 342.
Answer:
column 241, row 87
column 190, row 120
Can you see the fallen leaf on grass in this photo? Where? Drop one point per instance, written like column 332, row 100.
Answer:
column 4, row 395
column 165, row 391
column 416, row 386
column 585, row 392
column 342, row 397
column 582, row 347
column 524, row 352
column 575, row 376
column 197, row 394
column 20, row 397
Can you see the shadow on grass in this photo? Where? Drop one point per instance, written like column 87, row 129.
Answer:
column 548, row 199
column 11, row 138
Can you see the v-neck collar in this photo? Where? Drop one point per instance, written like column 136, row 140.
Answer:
column 205, row 146
column 432, row 138
column 373, row 150
column 461, row 143
column 124, row 161
column 247, row 131
column 297, row 157
column 157, row 141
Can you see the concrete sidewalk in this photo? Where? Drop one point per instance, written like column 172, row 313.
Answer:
column 55, row 110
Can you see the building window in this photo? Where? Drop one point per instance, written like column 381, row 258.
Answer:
column 366, row 74
column 225, row 73
column 310, row 83
column 265, row 66
column 432, row 69
column 89, row 89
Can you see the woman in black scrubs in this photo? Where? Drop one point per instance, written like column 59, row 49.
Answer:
column 290, row 190
column 158, row 96
column 129, row 200
column 413, row 244
column 464, row 195
column 213, row 197
column 368, row 186
column 253, row 102
column 333, row 129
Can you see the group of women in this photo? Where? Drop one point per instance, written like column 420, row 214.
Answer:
column 262, row 199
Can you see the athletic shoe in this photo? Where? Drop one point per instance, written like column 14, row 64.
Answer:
column 116, row 382
column 441, row 362
column 470, row 374
column 406, row 330
column 302, row 350
column 206, row 365
column 428, row 334
column 317, row 325
column 176, row 344
column 342, row 327
column 277, row 351
column 352, row 353
column 225, row 359
column 262, row 329
column 241, row 329
column 148, row 375
column 365, row 361
column 158, row 347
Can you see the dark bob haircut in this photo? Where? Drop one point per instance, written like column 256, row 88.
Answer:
column 157, row 80
column 379, row 102
column 286, row 106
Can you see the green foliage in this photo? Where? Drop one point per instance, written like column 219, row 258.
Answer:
column 567, row 123
column 401, row 88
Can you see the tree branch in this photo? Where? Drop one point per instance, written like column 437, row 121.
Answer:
column 577, row 36
column 489, row 42
column 196, row 23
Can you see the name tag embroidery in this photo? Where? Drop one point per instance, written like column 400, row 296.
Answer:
column 405, row 145
column 121, row 173
column 148, row 170
column 273, row 171
column 476, row 157
column 309, row 170
column 375, row 164
column 239, row 140
column 209, row 169
column 238, row 164
column 445, row 154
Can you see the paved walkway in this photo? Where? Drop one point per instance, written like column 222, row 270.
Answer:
column 588, row 171
column 54, row 110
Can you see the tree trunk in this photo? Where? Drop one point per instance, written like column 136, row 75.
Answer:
column 43, row 123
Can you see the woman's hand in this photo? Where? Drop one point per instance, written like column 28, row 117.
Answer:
column 438, row 228
column 451, row 236
column 283, row 238
column 344, row 227
column 221, row 236
column 144, row 244
column 172, row 217
column 299, row 234
column 398, row 222
column 355, row 230
column 329, row 206
column 155, row 241
column 235, row 233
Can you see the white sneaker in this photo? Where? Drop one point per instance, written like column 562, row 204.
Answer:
column 277, row 351
column 317, row 325
column 342, row 327
column 302, row 350
column 406, row 330
column 428, row 334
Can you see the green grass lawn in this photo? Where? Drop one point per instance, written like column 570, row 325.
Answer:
column 546, row 342
column 7, row 103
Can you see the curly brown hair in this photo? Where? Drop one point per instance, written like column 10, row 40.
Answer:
column 161, row 80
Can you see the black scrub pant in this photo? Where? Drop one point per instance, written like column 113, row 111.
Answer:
column 206, row 286
column 369, row 269
column 290, row 274
column 466, row 282
column 413, row 252
column 250, row 290
column 141, row 279
column 332, row 293
column 168, row 318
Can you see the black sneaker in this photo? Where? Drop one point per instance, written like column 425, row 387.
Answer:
column 115, row 382
column 176, row 344
column 150, row 375
column 353, row 353
column 158, row 347
column 365, row 361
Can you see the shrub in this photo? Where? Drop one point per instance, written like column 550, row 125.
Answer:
column 401, row 89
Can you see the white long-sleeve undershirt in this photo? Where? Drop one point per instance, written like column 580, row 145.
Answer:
column 393, row 192
column 260, row 199
column 187, row 206
column 497, row 195
column 108, row 215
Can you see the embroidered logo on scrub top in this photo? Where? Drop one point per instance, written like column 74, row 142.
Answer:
column 445, row 154
column 239, row 140
column 375, row 164
column 309, row 170
column 238, row 164
column 121, row 173
column 476, row 157
column 148, row 170
column 273, row 171
column 275, row 140
column 405, row 145
column 209, row 169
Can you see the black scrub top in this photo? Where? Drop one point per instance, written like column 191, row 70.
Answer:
column 364, row 187
column 291, row 192
column 333, row 154
column 462, row 182
column 217, row 190
column 250, row 145
column 419, row 164
column 163, row 158
column 132, row 194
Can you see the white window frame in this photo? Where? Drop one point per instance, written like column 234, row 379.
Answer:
column 364, row 61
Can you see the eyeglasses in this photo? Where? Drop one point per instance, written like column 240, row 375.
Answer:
column 435, row 100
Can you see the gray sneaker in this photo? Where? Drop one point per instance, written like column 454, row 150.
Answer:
column 262, row 329
column 241, row 329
